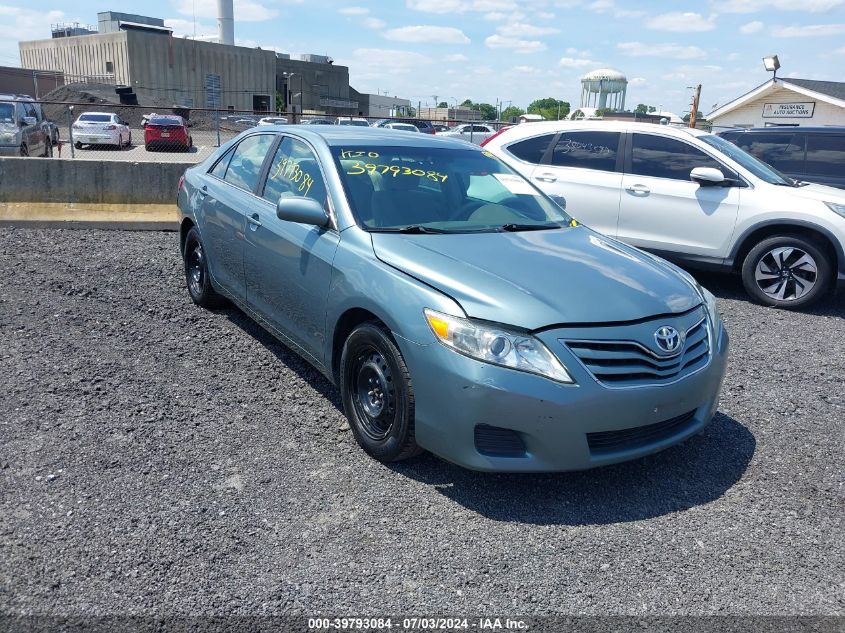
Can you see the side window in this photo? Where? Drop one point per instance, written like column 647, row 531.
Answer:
column 588, row 150
column 29, row 110
column 245, row 165
column 531, row 150
column 219, row 169
column 825, row 155
column 663, row 157
column 783, row 151
column 294, row 172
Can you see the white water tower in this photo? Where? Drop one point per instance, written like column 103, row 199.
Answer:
column 226, row 22
column 604, row 88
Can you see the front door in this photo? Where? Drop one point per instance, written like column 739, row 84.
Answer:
column 289, row 265
column 663, row 210
column 584, row 168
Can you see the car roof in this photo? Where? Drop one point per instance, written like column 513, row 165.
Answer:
column 84, row 113
column 336, row 135
column 824, row 129
column 524, row 130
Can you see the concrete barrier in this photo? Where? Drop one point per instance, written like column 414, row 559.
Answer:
column 86, row 192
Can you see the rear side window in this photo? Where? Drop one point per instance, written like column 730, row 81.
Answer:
column 531, row 150
column 588, row 150
column 825, row 155
column 245, row 165
column 663, row 157
column 219, row 169
column 783, row 150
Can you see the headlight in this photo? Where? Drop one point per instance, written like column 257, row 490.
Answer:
column 712, row 305
column 7, row 137
column 837, row 208
column 497, row 346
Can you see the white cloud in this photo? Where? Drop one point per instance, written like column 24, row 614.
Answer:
column 753, row 6
column 461, row 6
column 752, row 27
column 495, row 16
column 353, row 10
column 427, row 35
column 672, row 51
column 520, row 29
column 457, row 57
column 638, row 82
column 245, row 10
column 23, row 24
column 373, row 23
column 390, row 62
column 839, row 51
column 522, row 47
column 188, row 27
column 571, row 62
column 679, row 22
column 610, row 7
column 809, row 30
column 526, row 70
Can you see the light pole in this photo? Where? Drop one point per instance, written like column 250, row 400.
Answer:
column 772, row 63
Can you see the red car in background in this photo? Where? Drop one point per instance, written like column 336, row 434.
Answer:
column 168, row 132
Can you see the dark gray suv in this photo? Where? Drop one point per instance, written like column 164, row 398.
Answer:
column 21, row 130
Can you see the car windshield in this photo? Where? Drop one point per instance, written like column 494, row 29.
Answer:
column 763, row 171
column 97, row 118
column 7, row 112
column 440, row 190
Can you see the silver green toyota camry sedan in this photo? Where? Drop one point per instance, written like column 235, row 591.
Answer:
column 458, row 309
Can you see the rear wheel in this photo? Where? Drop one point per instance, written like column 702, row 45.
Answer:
column 120, row 142
column 377, row 394
column 787, row 271
column 24, row 150
column 77, row 145
column 196, row 273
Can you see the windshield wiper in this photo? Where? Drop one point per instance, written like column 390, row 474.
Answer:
column 512, row 228
column 412, row 229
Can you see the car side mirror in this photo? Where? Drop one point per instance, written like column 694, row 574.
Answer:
column 302, row 210
column 707, row 176
column 29, row 120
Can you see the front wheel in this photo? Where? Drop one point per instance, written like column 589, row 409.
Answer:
column 77, row 145
column 24, row 151
column 196, row 273
column 377, row 394
column 787, row 271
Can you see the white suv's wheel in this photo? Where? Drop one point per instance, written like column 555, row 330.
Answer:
column 786, row 271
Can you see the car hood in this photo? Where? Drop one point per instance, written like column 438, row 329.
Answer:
column 817, row 192
column 534, row 279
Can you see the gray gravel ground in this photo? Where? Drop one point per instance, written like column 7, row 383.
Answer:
column 156, row 458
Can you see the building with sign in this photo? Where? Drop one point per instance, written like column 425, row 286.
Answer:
column 784, row 102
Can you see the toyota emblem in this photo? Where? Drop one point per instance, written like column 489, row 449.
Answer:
column 668, row 339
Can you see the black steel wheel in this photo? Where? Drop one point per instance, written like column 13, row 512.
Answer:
column 377, row 394
column 787, row 271
column 24, row 151
column 196, row 273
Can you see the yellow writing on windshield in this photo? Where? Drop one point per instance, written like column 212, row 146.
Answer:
column 288, row 169
column 395, row 170
column 345, row 153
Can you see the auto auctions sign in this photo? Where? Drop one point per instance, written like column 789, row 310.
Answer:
column 789, row 110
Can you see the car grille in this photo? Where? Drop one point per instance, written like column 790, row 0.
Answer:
column 498, row 442
column 628, row 363
column 605, row 442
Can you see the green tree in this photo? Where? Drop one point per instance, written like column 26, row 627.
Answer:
column 488, row 112
column 512, row 112
column 550, row 108
column 603, row 111
column 442, row 104
column 699, row 116
column 467, row 104
column 644, row 109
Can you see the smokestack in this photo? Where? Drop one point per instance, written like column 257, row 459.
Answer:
column 226, row 22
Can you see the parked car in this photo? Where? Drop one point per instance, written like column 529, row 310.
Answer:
column 273, row 120
column 692, row 197
column 458, row 309
column 405, row 127
column 168, row 132
column 473, row 132
column 317, row 121
column 101, row 128
column 354, row 121
column 816, row 154
column 423, row 126
column 438, row 128
column 21, row 129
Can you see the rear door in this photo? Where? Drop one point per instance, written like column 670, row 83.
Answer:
column 288, row 264
column 825, row 159
column 229, row 196
column 585, row 168
column 664, row 211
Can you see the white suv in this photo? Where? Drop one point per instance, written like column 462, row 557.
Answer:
column 691, row 197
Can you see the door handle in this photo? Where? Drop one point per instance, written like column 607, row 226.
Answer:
column 636, row 189
column 203, row 191
column 254, row 221
column 546, row 177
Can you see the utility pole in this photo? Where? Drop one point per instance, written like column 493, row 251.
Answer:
column 694, row 110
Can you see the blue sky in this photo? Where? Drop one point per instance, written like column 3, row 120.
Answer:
column 511, row 50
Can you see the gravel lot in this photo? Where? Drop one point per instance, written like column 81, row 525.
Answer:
column 159, row 459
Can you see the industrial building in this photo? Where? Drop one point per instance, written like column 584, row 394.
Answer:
column 35, row 83
column 445, row 115
column 140, row 52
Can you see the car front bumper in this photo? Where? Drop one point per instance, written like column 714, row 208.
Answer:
column 454, row 394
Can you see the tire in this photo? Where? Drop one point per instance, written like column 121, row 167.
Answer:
column 196, row 273
column 48, row 149
column 24, row 152
column 120, row 144
column 787, row 271
column 77, row 145
column 377, row 394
